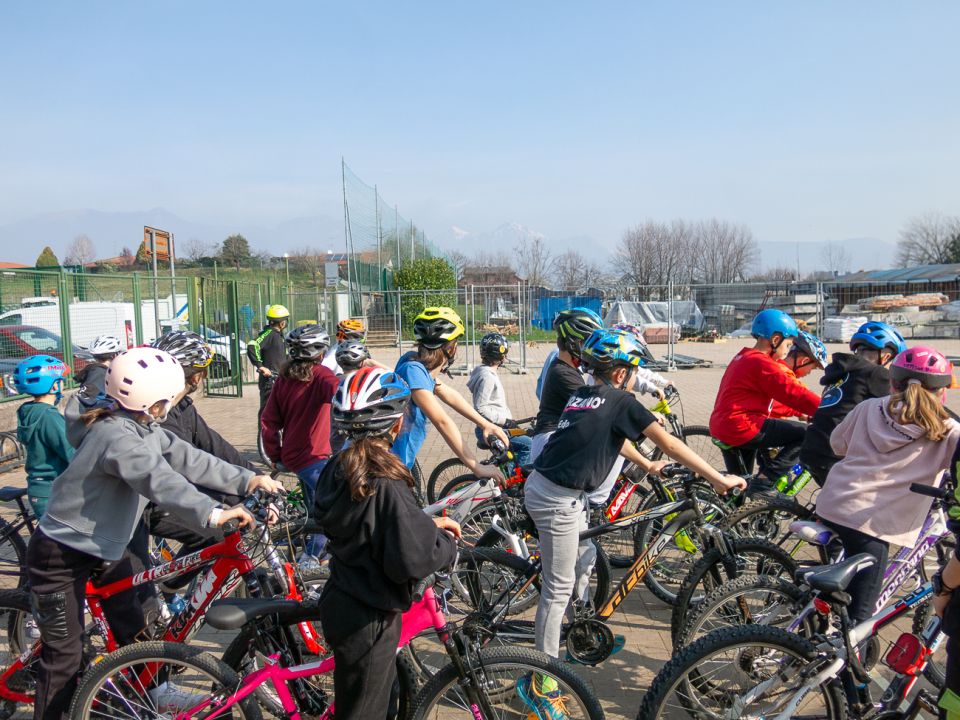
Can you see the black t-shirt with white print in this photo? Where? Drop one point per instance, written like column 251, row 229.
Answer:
column 591, row 431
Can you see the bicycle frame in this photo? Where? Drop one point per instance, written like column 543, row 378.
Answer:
column 421, row 616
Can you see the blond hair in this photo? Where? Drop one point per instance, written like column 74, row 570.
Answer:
column 915, row 405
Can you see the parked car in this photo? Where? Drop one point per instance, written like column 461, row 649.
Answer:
column 20, row 341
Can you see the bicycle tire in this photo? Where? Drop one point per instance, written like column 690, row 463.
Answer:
column 676, row 670
column 713, row 569
column 768, row 518
column 159, row 651
column 724, row 605
column 15, row 607
column 442, row 475
column 456, row 483
column 491, row 658
column 699, row 439
column 419, row 491
column 262, row 451
column 13, row 556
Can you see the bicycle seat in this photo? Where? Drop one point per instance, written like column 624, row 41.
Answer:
column 720, row 444
column 8, row 494
column 837, row 577
column 812, row 532
column 234, row 613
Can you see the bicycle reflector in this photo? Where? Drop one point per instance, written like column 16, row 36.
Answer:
column 907, row 655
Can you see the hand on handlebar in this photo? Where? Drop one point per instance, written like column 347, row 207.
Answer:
column 265, row 483
column 238, row 513
column 728, row 483
column 488, row 471
column 657, row 466
column 448, row 524
column 496, row 431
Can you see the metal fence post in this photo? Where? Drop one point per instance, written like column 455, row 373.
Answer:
column 137, row 310
column 233, row 319
column 64, row 307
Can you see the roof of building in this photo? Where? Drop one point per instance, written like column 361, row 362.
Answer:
column 919, row 273
column 13, row 266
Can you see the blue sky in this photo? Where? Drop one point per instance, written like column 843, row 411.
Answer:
column 807, row 121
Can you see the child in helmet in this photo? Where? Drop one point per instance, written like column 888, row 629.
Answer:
column 350, row 332
column 437, row 330
column 92, row 377
column 808, row 352
column 886, row 444
column 562, row 376
column 848, row 380
column 489, row 398
column 298, row 409
column 380, row 544
column 267, row 351
column 753, row 379
column 40, row 426
column 125, row 458
column 597, row 421
column 647, row 380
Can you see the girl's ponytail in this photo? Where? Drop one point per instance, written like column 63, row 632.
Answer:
column 915, row 405
column 300, row 370
column 369, row 457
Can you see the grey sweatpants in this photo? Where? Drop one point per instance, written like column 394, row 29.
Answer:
column 560, row 515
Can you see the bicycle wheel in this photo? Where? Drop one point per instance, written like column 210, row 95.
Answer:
column 13, row 557
column 769, row 518
column 456, row 483
column 19, row 633
column 419, row 489
column 180, row 678
column 730, row 666
column 699, row 439
column 442, row 474
column 751, row 599
column 715, row 567
column 503, row 685
column 262, row 451
column 619, row 544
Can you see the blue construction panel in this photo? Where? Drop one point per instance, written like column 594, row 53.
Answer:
column 548, row 308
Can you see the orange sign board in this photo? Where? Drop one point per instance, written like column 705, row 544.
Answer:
column 157, row 241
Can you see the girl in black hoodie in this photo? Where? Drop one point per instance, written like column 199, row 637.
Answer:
column 381, row 543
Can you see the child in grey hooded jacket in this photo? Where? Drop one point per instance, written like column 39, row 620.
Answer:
column 124, row 458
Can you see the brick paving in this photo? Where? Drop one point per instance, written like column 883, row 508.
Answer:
column 642, row 619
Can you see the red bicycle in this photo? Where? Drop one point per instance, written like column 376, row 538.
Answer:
column 228, row 563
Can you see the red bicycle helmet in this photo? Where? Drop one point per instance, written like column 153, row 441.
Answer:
column 924, row 364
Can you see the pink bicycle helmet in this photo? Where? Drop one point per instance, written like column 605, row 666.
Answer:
column 924, row 364
column 143, row 376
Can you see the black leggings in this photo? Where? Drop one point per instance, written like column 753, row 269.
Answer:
column 58, row 577
column 364, row 643
column 784, row 434
column 865, row 588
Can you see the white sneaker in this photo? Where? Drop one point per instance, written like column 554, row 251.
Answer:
column 33, row 630
column 168, row 697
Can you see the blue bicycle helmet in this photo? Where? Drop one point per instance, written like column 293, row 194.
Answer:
column 811, row 346
column 40, row 374
column 878, row 336
column 607, row 348
column 771, row 322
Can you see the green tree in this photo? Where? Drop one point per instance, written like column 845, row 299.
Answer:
column 434, row 278
column 47, row 259
column 235, row 251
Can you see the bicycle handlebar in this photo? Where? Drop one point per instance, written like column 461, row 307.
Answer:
column 674, row 471
column 934, row 492
column 421, row 587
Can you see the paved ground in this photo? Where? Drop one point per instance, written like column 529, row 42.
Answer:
column 643, row 619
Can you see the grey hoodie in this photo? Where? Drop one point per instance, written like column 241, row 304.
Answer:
column 96, row 502
column 489, row 398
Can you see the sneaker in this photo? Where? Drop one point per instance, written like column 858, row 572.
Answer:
column 308, row 563
column 548, row 705
column 167, row 697
column 33, row 630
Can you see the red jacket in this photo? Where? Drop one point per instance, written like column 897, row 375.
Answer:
column 751, row 383
column 302, row 411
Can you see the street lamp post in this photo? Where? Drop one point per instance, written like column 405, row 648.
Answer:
column 286, row 258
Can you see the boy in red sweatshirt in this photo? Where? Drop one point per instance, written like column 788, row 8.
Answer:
column 754, row 380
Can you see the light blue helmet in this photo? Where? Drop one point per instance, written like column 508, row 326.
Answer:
column 607, row 348
column 772, row 322
column 40, row 375
column 879, row 336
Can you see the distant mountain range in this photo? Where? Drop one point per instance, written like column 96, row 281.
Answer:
column 23, row 240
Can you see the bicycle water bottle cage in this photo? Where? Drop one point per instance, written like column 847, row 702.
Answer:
column 812, row 532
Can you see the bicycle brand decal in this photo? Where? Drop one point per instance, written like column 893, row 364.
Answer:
column 167, row 569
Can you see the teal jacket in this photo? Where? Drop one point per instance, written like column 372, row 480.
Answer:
column 43, row 432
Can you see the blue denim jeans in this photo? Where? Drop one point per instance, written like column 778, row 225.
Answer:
column 308, row 479
column 519, row 445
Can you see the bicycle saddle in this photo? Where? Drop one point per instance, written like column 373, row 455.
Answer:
column 837, row 577
column 813, row 532
column 8, row 494
column 234, row 613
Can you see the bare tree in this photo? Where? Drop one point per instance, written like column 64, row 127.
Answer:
column 724, row 252
column 928, row 239
column 635, row 256
column 779, row 273
column 80, row 251
column 459, row 261
column 194, row 249
column 655, row 254
column 569, row 270
column 534, row 260
column 127, row 258
column 308, row 260
column 835, row 259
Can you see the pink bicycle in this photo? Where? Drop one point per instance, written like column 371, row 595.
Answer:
column 155, row 680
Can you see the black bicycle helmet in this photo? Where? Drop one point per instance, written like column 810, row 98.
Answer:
column 434, row 327
column 493, row 346
column 308, row 342
column 574, row 327
column 187, row 347
column 351, row 355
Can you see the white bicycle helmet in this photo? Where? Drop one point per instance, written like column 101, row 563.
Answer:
column 105, row 345
column 369, row 401
column 143, row 376
column 351, row 355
